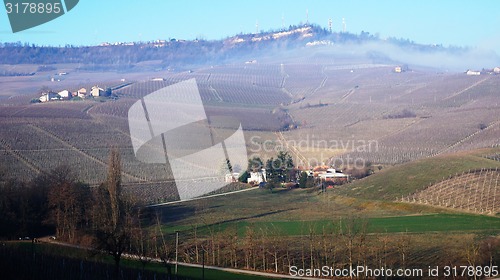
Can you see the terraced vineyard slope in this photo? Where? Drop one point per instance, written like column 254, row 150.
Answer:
column 476, row 191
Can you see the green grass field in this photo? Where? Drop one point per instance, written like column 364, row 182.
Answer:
column 413, row 224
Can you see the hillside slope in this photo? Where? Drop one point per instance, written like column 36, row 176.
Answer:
column 474, row 191
column 395, row 182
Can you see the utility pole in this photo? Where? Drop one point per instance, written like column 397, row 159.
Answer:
column 176, row 250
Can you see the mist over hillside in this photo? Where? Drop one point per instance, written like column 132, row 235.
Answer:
column 286, row 44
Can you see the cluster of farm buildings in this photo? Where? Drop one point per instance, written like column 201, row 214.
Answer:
column 95, row 91
column 323, row 173
column 495, row 70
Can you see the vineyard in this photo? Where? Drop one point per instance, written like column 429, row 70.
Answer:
column 325, row 110
column 449, row 132
column 304, row 80
column 452, row 113
column 32, row 146
column 474, row 191
column 258, row 85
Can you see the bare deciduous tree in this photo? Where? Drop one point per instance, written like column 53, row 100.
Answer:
column 113, row 214
column 353, row 233
column 67, row 200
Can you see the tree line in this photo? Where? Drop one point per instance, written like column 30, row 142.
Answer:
column 103, row 218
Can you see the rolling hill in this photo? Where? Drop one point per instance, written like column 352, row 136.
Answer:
column 400, row 181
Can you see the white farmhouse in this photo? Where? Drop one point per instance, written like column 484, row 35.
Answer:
column 65, row 94
column 473, row 73
column 256, row 178
column 49, row 96
column 334, row 176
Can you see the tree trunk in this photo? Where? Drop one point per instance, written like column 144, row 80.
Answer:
column 117, row 267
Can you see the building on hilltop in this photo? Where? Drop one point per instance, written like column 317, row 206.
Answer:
column 82, row 93
column 97, row 91
column 472, row 73
column 49, row 96
column 401, row 68
column 65, row 94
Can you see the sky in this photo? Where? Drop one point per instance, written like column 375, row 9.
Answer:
column 448, row 22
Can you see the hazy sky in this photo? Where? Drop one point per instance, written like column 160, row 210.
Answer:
column 447, row 22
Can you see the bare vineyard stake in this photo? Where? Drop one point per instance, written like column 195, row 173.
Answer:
column 489, row 189
column 483, row 190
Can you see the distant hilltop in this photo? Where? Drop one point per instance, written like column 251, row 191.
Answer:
column 176, row 53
